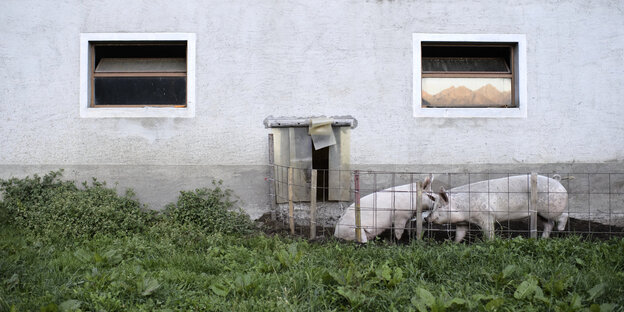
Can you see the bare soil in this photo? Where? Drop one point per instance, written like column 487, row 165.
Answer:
column 508, row 229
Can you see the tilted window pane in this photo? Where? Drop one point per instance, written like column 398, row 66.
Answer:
column 141, row 65
column 140, row 91
column 466, row 92
column 464, row 64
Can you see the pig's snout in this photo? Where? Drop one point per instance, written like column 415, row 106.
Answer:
column 427, row 216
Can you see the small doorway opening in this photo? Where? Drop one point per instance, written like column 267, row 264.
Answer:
column 320, row 162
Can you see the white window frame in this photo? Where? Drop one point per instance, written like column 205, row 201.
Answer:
column 520, row 77
column 86, row 111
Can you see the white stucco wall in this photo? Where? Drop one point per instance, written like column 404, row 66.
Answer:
column 304, row 58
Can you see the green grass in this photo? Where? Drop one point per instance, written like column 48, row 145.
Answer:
column 155, row 271
column 66, row 248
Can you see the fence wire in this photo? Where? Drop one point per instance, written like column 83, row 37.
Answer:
column 593, row 203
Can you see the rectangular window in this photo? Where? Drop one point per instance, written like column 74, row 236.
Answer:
column 137, row 75
column 469, row 75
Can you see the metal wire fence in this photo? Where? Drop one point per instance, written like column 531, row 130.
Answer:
column 515, row 204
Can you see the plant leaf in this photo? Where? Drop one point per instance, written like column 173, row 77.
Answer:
column 354, row 297
column 525, row 289
column 397, row 277
column 427, row 298
column 539, row 295
column 149, row 286
column 386, row 272
column 97, row 258
column 51, row 307
column 509, row 270
column 83, row 255
column 457, row 301
column 220, row 290
column 494, row 304
column 70, row 305
column 113, row 256
column 576, row 301
column 420, row 306
column 605, row 307
column 596, row 291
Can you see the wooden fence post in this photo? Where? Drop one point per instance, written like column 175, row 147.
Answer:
column 533, row 205
column 313, row 205
column 358, row 220
column 291, row 208
column 273, row 198
column 419, row 210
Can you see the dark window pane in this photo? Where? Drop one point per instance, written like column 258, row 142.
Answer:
column 465, row 51
column 140, row 50
column 140, row 91
column 464, row 64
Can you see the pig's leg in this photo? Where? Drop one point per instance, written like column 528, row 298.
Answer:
column 364, row 235
column 460, row 233
column 561, row 221
column 548, row 226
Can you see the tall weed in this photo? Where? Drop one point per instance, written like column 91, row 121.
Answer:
column 212, row 210
column 50, row 207
column 18, row 193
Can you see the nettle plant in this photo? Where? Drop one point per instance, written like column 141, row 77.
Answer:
column 211, row 210
column 50, row 207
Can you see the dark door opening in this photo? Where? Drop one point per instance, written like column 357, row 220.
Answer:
column 320, row 162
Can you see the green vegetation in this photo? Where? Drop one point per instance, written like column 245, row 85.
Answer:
column 211, row 210
column 204, row 256
column 49, row 207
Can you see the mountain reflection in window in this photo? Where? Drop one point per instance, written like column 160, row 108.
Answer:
column 466, row 92
column 467, row 75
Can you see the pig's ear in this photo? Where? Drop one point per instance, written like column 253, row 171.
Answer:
column 443, row 194
column 427, row 183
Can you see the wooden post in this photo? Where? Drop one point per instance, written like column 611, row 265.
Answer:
column 291, row 208
column 533, row 205
column 313, row 204
column 413, row 203
column 358, row 220
column 419, row 210
column 273, row 198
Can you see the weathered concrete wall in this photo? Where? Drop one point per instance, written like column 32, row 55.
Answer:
column 304, row 58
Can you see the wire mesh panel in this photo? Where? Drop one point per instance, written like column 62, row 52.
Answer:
column 470, row 205
column 586, row 204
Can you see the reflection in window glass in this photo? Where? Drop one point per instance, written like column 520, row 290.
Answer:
column 466, row 92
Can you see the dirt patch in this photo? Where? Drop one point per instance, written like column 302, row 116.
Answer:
column 507, row 229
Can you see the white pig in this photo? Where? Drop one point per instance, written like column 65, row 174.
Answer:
column 486, row 202
column 377, row 213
